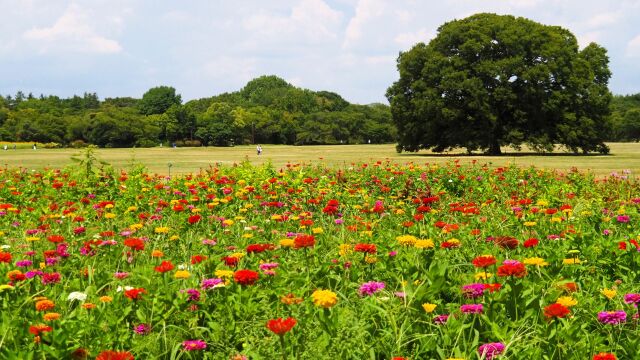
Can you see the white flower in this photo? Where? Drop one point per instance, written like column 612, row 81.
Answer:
column 126, row 288
column 5, row 247
column 76, row 295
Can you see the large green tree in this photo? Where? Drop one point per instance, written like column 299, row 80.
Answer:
column 488, row 81
column 159, row 99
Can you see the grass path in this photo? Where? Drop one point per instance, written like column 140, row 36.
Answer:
column 184, row 160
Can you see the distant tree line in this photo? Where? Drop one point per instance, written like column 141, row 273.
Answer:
column 266, row 110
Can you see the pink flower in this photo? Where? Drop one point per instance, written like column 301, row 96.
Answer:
column 190, row 345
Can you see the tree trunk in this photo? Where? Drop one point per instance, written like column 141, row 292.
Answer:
column 494, row 148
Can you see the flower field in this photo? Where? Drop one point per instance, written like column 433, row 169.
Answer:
column 375, row 261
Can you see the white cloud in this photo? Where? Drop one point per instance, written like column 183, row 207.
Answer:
column 603, row 19
column 588, row 37
column 312, row 19
column 633, row 47
column 72, row 32
column 366, row 11
column 408, row 39
column 241, row 69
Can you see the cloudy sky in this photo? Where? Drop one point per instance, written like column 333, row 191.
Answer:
column 202, row 48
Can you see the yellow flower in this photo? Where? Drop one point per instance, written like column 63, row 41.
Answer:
column 247, row 236
column 345, row 249
column 161, row 230
column 324, row 298
column 132, row 208
column 571, row 261
column 317, row 230
column 428, row 308
column 106, row 299
column 4, row 287
column 369, row 259
column 228, row 222
column 110, row 215
column 108, row 206
column 399, row 212
column 32, row 238
column 276, row 217
column 174, row 237
column 182, row 274
column 223, row 273
column 542, row 203
column 136, row 226
column 529, row 223
column 237, row 255
column 424, row 244
column 535, row 261
column 556, row 219
column 482, row 276
column 51, row 316
column 407, row 240
column 287, row 243
column 609, row 293
column 567, row 301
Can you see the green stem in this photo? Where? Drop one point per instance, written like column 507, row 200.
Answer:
column 284, row 347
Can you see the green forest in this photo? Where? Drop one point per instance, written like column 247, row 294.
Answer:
column 266, row 110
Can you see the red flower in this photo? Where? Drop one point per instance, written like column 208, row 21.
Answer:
column 245, row 277
column 55, row 238
column 115, row 355
column 5, row 257
column 531, row 242
column 518, row 270
column 492, row 287
column 484, row 261
column 40, row 328
column 258, row 248
column 280, row 327
column 135, row 294
column 164, row 267
column 506, row 242
column 194, row 219
column 304, row 241
column 197, row 259
column 134, row 243
column 556, row 310
column 604, row 356
column 230, row 261
column 365, row 248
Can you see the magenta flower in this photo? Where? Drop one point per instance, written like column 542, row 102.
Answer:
column 623, row 218
column 121, row 275
column 632, row 299
column 612, row 317
column 190, row 345
column 268, row 266
column 473, row 291
column 491, row 350
column 441, row 319
column 211, row 283
column 471, row 309
column 370, row 288
column 142, row 329
column 24, row 263
column 50, row 278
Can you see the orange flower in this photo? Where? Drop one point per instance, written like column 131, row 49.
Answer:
column 51, row 316
column 44, row 305
column 89, row 306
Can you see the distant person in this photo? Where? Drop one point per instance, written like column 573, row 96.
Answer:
column 174, row 145
column 35, row 147
column 14, row 146
column 5, row 147
column 259, row 150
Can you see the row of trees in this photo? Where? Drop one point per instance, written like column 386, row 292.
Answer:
column 266, row 110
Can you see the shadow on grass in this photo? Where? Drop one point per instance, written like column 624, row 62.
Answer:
column 505, row 155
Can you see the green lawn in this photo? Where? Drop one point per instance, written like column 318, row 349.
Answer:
column 185, row 160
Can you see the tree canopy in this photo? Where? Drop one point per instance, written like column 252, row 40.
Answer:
column 489, row 80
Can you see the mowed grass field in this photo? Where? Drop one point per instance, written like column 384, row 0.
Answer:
column 624, row 156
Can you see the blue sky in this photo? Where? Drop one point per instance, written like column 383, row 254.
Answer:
column 203, row 48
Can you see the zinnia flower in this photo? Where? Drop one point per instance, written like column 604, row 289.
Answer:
column 471, row 309
column 491, row 350
column 44, row 305
column 164, row 267
column 135, row 294
column 428, row 308
column 441, row 319
column 556, row 310
column 304, row 241
column 512, row 268
column 245, row 277
column 473, row 291
column 604, row 356
column 370, row 288
column 280, row 327
column 191, row 345
column 115, row 355
column 484, row 261
column 632, row 299
column 612, row 317
column 324, row 298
